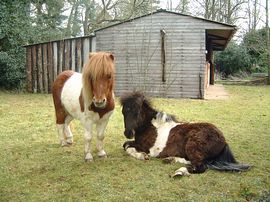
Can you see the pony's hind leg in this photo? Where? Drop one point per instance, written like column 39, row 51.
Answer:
column 183, row 171
column 196, row 155
column 64, row 135
column 175, row 160
column 61, row 117
column 68, row 133
column 61, row 134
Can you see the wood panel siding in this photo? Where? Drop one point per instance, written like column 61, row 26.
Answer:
column 46, row 60
column 137, row 46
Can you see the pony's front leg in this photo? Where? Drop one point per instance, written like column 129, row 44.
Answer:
column 87, row 145
column 138, row 155
column 101, row 126
column 129, row 147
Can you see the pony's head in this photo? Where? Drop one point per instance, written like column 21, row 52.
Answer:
column 137, row 112
column 98, row 79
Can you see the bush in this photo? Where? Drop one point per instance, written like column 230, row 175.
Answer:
column 12, row 69
column 14, row 32
column 234, row 59
column 255, row 43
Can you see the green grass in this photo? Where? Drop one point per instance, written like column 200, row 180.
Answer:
column 34, row 168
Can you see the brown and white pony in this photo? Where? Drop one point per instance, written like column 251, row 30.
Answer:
column 88, row 97
column 201, row 145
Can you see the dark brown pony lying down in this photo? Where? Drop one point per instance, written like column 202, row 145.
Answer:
column 200, row 145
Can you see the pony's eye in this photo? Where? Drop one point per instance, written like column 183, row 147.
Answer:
column 109, row 76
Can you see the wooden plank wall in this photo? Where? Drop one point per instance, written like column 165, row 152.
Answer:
column 46, row 60
column 137, row 47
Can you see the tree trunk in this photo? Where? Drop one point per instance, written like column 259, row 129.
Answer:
column 68, row 29
column 86, row 19
column 255, row 15
column 207, row 11
column 249, row 16
column 267, row 39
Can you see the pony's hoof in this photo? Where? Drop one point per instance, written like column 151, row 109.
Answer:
column 64, row 144
column 168, row 160
column 126, row 145
column 180, row 172
column 146, row 156
column 69, row 141
column 102, row 154
column 88, row 158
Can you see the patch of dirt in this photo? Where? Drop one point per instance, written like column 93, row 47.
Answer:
column 216, row 92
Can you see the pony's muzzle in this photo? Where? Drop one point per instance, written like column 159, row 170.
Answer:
column 129, row 134
column 100, row 103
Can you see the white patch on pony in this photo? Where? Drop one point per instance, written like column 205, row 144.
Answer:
column 163, row 124
column 70, row 96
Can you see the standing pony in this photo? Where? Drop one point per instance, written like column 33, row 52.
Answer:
column 87, row 97
column 201, row 145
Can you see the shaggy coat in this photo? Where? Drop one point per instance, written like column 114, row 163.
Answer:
column 201, row 145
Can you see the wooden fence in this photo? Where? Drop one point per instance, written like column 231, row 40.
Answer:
column 46, row 60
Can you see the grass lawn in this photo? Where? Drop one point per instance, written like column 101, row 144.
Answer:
column 33, row 167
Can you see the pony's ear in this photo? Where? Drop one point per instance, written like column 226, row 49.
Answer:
column 142, row 99
column 91, row 54
column 111, row 56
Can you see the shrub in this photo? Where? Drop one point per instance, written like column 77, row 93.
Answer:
column 12, row 68
column 235, row 58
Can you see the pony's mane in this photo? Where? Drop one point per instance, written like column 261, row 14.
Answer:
column 135, row 97
column 163, row 117
column 139, row 98
column 99, row 65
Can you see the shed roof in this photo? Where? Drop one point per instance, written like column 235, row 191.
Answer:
column 219, row 37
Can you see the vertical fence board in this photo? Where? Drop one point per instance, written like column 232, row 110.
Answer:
column 82, row 54
column 55, row 60
column 50, row 66
column 67, row 53
column 34, row 65
column 45, row 67
column 86, row 50
column 78, row 55
column 73, row 55
column 29, row 69
column 40, row 69
column 93, row 44
column 70, row 54
column 60, row 57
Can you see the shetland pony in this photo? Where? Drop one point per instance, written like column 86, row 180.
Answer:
column 200, row 145
column 87, row 97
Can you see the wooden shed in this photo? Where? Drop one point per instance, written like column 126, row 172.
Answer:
column 165, row 54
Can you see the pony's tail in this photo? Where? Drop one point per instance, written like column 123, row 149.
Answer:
column 225, row 161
